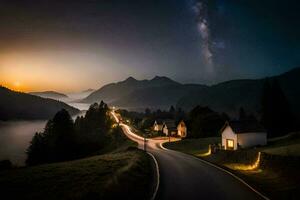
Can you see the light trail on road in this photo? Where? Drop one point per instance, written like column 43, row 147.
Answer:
column 184, row 176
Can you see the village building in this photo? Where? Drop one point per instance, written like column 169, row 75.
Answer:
column 181, row 129
column 169, row 128
column 158, row 125
column 243, row 134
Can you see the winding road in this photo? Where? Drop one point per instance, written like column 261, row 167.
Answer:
column 185, row 177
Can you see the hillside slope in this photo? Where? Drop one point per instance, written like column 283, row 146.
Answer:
column 50, row 95
column 156, row 97
column 126, row 175
column 231, row 95
column 17, row 105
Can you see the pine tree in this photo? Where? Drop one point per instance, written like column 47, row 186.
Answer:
column 277, row 116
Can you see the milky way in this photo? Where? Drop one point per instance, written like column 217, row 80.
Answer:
column 204, row 30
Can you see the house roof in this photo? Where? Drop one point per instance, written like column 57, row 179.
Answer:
column 182, row 122
column 170, row 124
column 245, row 126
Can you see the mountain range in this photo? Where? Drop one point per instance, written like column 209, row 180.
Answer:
column 162, row 92
column 114, row 91
column 69, row 98
column 17, row 105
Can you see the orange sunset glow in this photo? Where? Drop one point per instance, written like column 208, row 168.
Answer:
column 50, row 70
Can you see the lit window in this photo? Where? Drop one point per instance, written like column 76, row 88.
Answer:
column 230, row 144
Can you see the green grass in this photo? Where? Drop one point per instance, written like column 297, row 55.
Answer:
column 118, row 144
column 275, row 183
column 285, row 146
column 119, row 170
column 193, row 146
column 277, row 177
column 124, row 175
column 288, row 150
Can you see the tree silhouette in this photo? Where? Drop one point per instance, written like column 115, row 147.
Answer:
column 204, row 122
column 147, row 112
column 172, row 109
column 55, row 143
column 277, row 116
column 64, row 140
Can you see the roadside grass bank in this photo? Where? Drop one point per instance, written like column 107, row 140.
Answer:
column 192, row 146
column 126, row 175
column 288, row 145
column 288, row 150
column 274, row 175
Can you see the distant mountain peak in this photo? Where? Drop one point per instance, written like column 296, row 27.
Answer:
column 130, row 78
column 164, row 80
column 31, row 106
column 161, row 78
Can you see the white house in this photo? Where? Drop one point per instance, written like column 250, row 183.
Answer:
column 158, row 125
column 181, row 129
column 242, row 134
column 169, row 128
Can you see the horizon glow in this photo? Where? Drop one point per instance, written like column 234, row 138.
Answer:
column 60, row 71
column 69, row 46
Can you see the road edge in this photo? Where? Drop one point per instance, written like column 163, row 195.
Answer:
column 157, row 174
column 222, row 169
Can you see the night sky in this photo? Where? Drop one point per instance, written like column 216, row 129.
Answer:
column 70, row 45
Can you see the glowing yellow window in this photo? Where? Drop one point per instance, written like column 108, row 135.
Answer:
column 230, row 144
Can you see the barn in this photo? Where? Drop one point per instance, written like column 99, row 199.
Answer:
column 243, row 134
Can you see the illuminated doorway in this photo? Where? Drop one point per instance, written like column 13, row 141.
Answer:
column 229, row 144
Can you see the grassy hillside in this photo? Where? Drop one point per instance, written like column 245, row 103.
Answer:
column 288, row 150
column 126, row 175
column 226, row 97
column 231, row 95
column 18, row 105
column 193, row 146
column 118, row 170
column 288, row 145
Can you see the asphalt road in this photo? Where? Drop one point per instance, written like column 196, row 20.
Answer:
column 185, row 177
